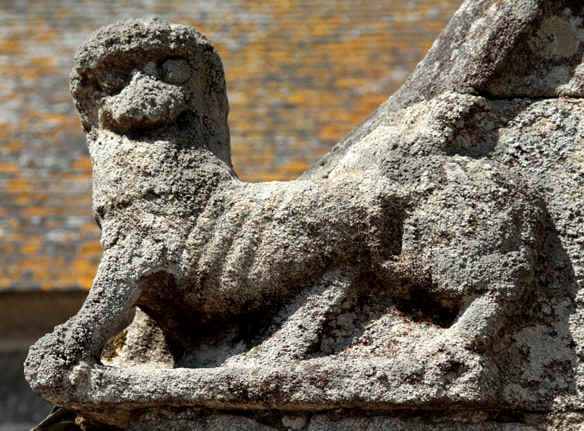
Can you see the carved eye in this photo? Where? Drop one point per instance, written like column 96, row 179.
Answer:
column 112, row 81
column 176, row 71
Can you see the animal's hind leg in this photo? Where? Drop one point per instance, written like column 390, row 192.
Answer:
column 303, row 321
column 478, row 323
column 106, row 311
column 490, row 311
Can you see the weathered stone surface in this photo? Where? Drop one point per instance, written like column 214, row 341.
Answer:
column 431, row 264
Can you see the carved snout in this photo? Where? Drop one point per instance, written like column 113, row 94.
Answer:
column 145, row 103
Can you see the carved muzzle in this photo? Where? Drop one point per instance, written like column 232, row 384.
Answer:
column 145, row 103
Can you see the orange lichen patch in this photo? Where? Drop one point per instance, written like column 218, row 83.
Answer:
column 78, row 209
column 6, row 129
column 52, row 224
column 52, row 273
column 247, row 127
column 19, row 185
column 14, row 224
column 82, row 273
column 86, row 282
column 62, row 13
column 43, row 35
column 89, row 249
column 246, row 151
column 31, row 247
column 88, row 228
column 14, row 144
column 62, row 121
column 244, row 69
column 82, row 206
column 322, row 26
column 332, row 132
column 21, row 200
column 165, row 5
column 433, row 27
column 10, row 47
column 15, row 95
column 6, row 282
column 66, row 99
column 82, row 164
column 7, row 249
column 259, row 6
column 264, row 176
column 351, row 82
column 312, row 98
column 40, row 66
column 8, row 168
column 367, row 104
column 13, row 238
column 69, row 178
column 55, row 273
column 12, row 272
column 39, row 263
column 292, row 169
column 36, row 211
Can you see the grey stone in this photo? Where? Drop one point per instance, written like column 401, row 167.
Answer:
column 426, row 274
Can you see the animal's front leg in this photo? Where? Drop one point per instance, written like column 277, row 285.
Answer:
column 55, row 363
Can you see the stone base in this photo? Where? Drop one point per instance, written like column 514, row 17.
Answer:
column 341, row 420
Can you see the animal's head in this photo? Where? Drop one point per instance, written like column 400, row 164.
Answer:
column 149, row 78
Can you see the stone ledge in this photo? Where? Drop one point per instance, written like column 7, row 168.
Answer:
column 341, row 420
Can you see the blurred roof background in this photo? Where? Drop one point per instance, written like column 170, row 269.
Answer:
column 300, row 75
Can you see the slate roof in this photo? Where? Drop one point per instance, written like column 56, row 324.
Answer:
column 300, row 75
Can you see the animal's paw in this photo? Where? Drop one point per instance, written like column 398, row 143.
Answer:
column 51, row 359
column 45, row 364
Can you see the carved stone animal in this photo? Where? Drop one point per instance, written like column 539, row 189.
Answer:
column 204, row 253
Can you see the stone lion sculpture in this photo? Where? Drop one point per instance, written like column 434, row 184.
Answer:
column 206, row 255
